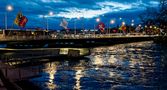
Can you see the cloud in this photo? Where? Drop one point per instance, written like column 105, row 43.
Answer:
column 36, row 9
column 99, row 8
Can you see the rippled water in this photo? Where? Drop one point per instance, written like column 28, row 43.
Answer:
column 134, row 66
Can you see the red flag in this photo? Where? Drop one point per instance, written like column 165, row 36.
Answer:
column 123, row 27
column 23, row 21
column 101, row 26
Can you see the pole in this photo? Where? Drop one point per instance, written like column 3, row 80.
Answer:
column 94, row 30
column 47, row 26
column 109, row 30
column 6, row 27
column 75, row 27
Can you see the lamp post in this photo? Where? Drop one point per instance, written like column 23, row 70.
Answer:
column 75, row 22
column 97, row 20
column 111, row 22
column 8, row 8
column 47, row 21
column 50, row 14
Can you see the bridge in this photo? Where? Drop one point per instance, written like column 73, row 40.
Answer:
column 71, row 41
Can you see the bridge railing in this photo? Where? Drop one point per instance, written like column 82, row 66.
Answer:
column 70, row 36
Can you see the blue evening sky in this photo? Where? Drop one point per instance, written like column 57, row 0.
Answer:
column 37, row 12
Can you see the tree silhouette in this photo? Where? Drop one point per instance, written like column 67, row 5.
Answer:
column 153, row 16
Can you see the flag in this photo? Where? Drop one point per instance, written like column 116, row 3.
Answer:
column 123, row 27
column 101, row 26
column 18, row 18
column 138, row 28
column 64, row 24
column 23, row 21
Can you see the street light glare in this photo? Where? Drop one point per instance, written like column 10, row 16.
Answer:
column 9, row 8
column 112, row 22
column 98, row 20
column 123, row 23
column 78, row 17
column 132, row 24
column 50, row 13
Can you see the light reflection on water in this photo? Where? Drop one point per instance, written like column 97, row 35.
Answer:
column 135, row 66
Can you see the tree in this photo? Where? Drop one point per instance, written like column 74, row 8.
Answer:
column 156, row 16
column 162, row 15
column 149, row 16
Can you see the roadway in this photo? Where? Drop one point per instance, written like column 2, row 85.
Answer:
column 71, row 41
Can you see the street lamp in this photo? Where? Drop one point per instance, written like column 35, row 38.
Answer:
column 47, row 23
column 8, row 8
column 50, row 13
column 97, row 19
column 75, row 22
column 132, row 24
column 123, row 23
column 111, row 22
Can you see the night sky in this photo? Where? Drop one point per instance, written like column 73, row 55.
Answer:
column 37, row 12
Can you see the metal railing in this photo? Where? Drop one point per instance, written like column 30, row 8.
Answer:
column 72, row 36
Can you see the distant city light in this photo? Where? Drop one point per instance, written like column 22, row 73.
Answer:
column 151, row 27
column 120, row 18
column 139, row 25
column 133, row 20
column 9, row 8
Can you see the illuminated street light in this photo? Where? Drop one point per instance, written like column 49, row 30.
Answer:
column 78, row 17
column 132, row 24
column 50, row 14
column 155, row 27
column 97, row 19
column 112, row 21
column 123, row 23
column 9, row 8
column 150, row 26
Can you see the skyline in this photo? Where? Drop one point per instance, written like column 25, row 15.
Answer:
column 37, row 12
